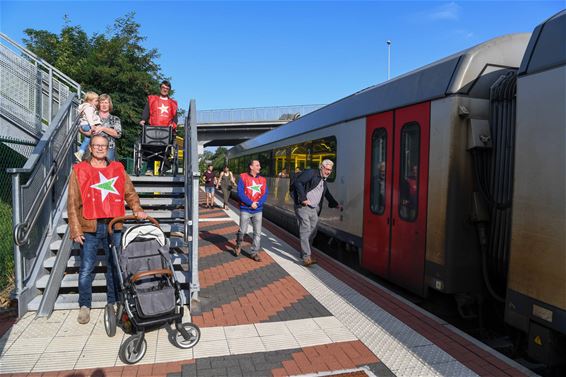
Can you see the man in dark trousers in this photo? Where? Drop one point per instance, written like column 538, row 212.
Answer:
column 309, row 188
column 252, row 190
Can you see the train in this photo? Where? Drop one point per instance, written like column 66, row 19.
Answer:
column 452, row 178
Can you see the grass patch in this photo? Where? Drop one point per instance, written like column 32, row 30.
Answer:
column 6, row 246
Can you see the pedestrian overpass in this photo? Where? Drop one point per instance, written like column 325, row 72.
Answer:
column 227, row 127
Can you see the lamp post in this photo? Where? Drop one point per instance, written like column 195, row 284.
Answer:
column 388, row 59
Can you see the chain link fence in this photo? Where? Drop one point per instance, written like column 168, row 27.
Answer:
column 13, row 154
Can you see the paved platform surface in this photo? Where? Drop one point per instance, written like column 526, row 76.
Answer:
column 268, row 318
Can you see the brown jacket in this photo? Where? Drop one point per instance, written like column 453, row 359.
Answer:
column 78, row 224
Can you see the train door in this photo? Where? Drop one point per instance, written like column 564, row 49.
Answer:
column 377, row 196
column 409, row 202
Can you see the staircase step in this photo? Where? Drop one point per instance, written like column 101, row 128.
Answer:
column 159, row 214
column 156, row 179
column 154, row 202
column 174, row 242
column 71, row 301
column 75, row 261
column 160, row 189
column 72, row 280
column 166, row 228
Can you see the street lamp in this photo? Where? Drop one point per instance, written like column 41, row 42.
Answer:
column 388, row 59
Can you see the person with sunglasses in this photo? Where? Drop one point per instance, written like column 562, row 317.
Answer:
column 97, row 191
column 309, row 189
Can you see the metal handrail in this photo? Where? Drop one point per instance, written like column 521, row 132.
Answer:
column 22, row 230
column 41, row 61
column 192, row 175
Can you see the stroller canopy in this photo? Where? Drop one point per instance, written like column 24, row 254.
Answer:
column 145, row 232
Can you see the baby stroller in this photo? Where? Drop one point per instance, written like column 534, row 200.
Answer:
column 149, row 294
column 157, row 143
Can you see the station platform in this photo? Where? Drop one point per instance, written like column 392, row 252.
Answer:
column 269, row 318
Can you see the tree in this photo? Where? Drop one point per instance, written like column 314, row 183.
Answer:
column 219, row 158
column 115, row 63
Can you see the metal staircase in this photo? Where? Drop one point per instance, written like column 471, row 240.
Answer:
column 163, row 198
column 46, row 260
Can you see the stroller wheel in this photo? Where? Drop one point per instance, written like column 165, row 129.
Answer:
column 194, row 336
column 110, row 320
column 128, row 353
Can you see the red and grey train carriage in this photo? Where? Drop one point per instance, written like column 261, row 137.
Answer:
column 424, row 170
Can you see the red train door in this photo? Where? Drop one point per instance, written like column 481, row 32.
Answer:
column 409, row 204
column 395, row 195
column 377, row 195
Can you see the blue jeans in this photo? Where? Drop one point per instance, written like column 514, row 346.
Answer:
column 86, row 140
column 88, row 262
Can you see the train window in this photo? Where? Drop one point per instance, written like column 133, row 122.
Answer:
column 409, row 174
column 378, row 160
column 281, row 163
column 265, row 161
column 324, row 149
column 242, row 164
column 300, row 157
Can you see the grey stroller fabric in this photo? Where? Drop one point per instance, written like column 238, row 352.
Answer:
column 154, row 295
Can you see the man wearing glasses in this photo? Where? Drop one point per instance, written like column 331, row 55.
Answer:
column 309, row 188
column 97, row 191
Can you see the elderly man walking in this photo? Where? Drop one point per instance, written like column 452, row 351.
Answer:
column 309, row 188
column 252, row 190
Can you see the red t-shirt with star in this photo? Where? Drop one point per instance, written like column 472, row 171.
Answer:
column 102, row 190
column 252, row 189
column 162, row 111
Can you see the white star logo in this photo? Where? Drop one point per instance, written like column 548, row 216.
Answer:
column 106, row 186
column 163, row 109
column 255, row 188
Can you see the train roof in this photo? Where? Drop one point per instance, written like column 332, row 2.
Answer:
column 461, row 73
column 547, row 47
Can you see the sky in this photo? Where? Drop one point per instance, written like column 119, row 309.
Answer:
column 254, row 54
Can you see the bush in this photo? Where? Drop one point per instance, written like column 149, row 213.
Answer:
column 6, row 246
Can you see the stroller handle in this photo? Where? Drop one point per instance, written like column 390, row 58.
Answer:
column 117, row 220
column 139, row 275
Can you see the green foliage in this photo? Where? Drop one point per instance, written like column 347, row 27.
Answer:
column 6, row 247
column 217, row 159
column 115, row 63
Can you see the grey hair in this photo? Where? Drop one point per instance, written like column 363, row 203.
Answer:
column 327, row 163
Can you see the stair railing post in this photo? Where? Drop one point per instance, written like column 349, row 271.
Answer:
column 16, row 219
column 194, row 193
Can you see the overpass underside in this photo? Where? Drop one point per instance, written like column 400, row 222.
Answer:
column 230, row 134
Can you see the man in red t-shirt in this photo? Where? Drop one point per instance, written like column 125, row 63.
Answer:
column 160, row 110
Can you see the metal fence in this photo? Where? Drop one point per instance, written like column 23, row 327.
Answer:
column 254, row 114
column 13, row 154
column 31, row 90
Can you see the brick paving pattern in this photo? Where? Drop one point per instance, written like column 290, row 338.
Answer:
column 336, row 356
column 238, row 290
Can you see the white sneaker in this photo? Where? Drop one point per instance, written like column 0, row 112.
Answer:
column 79, row 155
column 84, row 315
